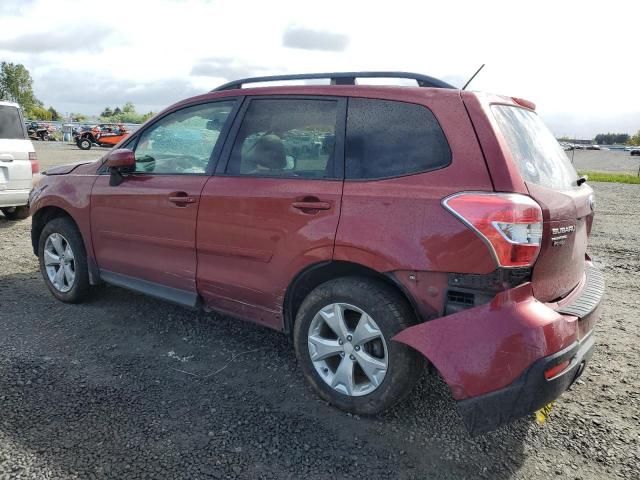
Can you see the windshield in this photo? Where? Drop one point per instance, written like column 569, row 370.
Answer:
column 10, row 123
column 539, row 156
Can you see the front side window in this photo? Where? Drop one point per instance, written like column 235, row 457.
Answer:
column 388, row 139
column 183, row 141
column 11, row 126
column 286, row 138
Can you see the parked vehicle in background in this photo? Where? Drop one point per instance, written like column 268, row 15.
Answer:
column 40, row 131
column 634, row 151
column 382, row 228
column 78, row 130
column 103, row 135
column 18, row 162
column 593, row 147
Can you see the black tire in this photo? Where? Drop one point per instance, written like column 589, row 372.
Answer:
column 84, row 144
column 16, row 213
column 391, row 313
column 67, row 228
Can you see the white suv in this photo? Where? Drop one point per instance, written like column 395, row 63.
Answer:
column 18, row 163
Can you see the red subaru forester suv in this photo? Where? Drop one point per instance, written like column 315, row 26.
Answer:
column 384, row 228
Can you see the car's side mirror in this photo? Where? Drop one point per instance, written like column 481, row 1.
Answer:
column 119, row 162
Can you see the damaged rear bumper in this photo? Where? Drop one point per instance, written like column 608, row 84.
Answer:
column 530, row 392
column 494, row 356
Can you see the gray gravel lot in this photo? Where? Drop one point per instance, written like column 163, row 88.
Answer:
column 126, row 386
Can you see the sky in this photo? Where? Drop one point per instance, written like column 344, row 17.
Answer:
column 577, row 60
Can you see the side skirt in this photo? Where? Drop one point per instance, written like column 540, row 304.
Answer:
column 175, row 295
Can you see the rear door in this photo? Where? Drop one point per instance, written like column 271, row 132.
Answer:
column 15, row 167
column 552, row 181
column 144, row 229
column 272, row 208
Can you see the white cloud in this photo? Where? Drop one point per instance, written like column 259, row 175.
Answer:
column 574, row 59
column 307, row 39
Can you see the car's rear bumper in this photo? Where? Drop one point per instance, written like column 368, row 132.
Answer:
column 493, row 356
column 530, row 392
column 14, row 198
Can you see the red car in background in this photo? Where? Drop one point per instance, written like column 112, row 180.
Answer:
column 383, row 228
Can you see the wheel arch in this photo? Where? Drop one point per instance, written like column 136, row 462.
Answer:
column 43, row 216
column 314, row 275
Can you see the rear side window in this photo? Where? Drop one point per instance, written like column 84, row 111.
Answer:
column 539, row 156
column 10, row 123
column 390, row 139
column 286, row 138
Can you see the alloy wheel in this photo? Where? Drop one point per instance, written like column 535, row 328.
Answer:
column 59, row 262
column 348, row 349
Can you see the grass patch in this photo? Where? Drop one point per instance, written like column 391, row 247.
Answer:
column 610, row 177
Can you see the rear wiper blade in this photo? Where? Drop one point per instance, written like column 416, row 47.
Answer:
column 582, row 180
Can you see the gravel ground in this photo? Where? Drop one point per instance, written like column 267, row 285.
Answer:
column 129, row 387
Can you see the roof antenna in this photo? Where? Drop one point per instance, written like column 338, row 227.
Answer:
column 472, row 77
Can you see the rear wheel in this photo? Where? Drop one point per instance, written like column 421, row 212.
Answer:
column 84, row 144
column 342, row 338
column 63, row 260
column 16, row 213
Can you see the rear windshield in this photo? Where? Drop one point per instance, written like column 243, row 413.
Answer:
column 10, row 123
column 539, row 156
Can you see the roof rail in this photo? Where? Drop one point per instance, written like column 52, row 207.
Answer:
column 339, row 78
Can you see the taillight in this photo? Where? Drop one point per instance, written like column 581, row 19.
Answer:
column 553, row 371
column 35, row 166
column 509, row 223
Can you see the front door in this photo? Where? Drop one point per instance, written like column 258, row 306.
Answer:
column 272, row 208
column 144, row 229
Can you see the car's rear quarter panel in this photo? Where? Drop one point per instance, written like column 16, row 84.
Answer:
column 398, row 225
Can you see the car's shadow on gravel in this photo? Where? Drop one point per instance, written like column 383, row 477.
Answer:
column 130, row 387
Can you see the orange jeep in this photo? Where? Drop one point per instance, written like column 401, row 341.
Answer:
column 103, row 135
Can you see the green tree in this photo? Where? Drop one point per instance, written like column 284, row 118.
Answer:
column 55, row 116
column 635, row 140
column 106, row 113
column 77, row 117
column 16, row 85
column 127, row 114
column 37, row 112
column 611, row 138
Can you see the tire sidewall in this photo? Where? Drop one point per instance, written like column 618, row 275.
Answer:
column 390, row 313
column 68, row 230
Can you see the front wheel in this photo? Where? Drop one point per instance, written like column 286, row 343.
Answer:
column 16, row 213
column 63, row 260
column 84, row 144
column 342, row 338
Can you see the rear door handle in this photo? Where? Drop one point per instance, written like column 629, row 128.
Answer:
column 181, row 198
column 311, row 205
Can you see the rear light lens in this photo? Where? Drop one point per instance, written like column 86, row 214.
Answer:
column 35, row 166
column 553, row 371
column 509, row 223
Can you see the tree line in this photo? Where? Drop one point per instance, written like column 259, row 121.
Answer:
column 16, row 85
column 126, row 114
column 612, row 138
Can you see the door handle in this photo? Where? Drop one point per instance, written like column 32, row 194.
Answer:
column 317, row 205
column 181, row 198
